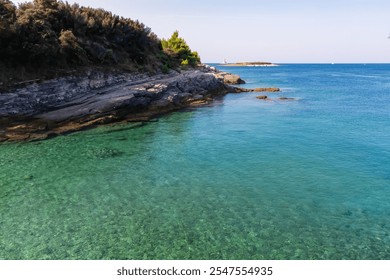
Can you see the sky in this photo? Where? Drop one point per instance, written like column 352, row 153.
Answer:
column 280, row 31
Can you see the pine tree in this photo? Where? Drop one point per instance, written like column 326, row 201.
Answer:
column 178, row 48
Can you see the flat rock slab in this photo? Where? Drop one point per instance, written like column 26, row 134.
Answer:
column 69, row 104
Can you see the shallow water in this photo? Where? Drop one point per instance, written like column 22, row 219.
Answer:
column 241, row 179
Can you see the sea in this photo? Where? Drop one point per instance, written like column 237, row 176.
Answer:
column 241, row 178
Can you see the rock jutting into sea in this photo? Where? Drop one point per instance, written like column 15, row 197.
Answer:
column 240, row 90
column 265, row 97
column 230, row 79
column 43, row 109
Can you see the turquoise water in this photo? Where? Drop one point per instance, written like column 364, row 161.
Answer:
column 240, row 179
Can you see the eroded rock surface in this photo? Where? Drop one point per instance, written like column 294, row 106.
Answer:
column 43, row 109
column 68, row 104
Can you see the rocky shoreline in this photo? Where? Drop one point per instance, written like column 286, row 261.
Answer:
column 58, row 106
column 68, row 104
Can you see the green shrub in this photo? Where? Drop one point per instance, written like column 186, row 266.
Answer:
column 177, row 48
column 165, row 69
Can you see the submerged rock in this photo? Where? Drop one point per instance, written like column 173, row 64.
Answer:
column 265, row 97
column 240, row 89
column 103, row 153
column 286, row 98
column 266, row 89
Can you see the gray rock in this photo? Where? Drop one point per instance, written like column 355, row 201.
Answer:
column 100, row 98
column 230, row 79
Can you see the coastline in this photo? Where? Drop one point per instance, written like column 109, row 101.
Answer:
column 45, row 109
column 68, row 104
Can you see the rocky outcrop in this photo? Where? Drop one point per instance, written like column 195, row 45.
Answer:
column 240, row 90
column 265, row 97
column 69, row 104
column 49, row 95
column 37, row 110
column 230, row 79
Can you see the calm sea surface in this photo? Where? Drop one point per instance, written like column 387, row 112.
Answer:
column 241, row 179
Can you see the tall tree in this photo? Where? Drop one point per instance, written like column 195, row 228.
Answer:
column 178, row 48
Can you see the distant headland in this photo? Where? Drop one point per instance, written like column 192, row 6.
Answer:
column 251, row 64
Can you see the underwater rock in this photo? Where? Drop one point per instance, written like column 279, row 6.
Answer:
column 103, row 153
column 274, row 89
column 29, row 177
column 286, row 98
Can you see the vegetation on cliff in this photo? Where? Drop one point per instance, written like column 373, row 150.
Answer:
column 44, row 38
column 177, row 48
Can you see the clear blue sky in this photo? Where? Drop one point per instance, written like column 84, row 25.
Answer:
column 268, row 30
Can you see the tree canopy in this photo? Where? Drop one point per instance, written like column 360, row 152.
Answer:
column 178, row 48
column 50, row 34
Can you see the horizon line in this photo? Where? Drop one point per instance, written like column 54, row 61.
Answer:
column 221, row 63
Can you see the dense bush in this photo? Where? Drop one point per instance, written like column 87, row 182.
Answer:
column 51, row 34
